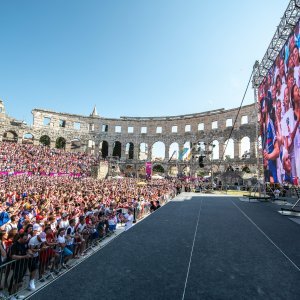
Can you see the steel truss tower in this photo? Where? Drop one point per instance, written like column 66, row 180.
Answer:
column 284, row 29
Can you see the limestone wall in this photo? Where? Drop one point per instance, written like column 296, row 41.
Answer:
column 86, row 133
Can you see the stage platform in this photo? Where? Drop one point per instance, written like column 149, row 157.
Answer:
column 195, row 247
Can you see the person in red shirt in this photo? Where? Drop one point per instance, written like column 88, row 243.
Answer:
column 48, row 256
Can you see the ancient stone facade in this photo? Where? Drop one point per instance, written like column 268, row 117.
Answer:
column 91, row 133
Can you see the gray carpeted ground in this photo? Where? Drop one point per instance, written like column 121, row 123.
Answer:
column 232, row 257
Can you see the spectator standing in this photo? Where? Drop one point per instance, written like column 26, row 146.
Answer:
column 3, row 249
column 18, row 252
column 64, row 222
column 64, row 251
column 152, row 206
column 129, row 219
column 34, row 246
column 112, row 222
column 70, row 235
column 13, row 224
column 157, row 204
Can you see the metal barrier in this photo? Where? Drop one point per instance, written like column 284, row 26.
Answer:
column 52, row 261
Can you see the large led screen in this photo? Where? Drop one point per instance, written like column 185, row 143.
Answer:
column 279, row 117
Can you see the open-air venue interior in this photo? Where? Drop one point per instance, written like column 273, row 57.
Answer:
column 150, row 150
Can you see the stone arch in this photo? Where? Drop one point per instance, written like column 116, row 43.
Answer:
column 158, row 151
column 28, row 138
column 141, row 172
column 201, row 147
column 129, row 150
column 245, row 147
column 174, row 151
column 91, row 145
column 143, row 151
column 10, row 136
column 129, row 171
column 246, row 169
column 60, row 143
column 185, row 170
column 173, row 171
column 75, row 144
column 229, row 149
column 117, row 149
column 104, row 149
column 45, row 140
column 215, row 150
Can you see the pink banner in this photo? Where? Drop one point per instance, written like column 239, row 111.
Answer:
column 148, row 169
column 59, row 174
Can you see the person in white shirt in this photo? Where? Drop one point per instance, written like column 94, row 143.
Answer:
column 295, row 96
column 280, row 88
column 64, row 222
column 297, row 65
column 129, row 219
column 13, row 224
column 66, row 253
column 70, row 235
column 82, row 235
column 34, row 246
column 289, row 127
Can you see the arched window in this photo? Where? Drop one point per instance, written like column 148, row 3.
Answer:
column 117, row 147
column 245, row 147
column 129, row 150
column 174, row 151
column 104, row 149
column 28, row 138
column 143, row 151
column 229, row 149
column 10, row 136
column 75, row 144
column 158, row 151
column 186, row 152
column 215, row 149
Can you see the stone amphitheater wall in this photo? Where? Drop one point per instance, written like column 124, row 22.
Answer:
column 90, row 134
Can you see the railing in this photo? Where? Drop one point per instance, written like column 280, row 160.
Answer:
column 52, row 261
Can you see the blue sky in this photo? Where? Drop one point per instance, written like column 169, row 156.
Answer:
column 131, row 57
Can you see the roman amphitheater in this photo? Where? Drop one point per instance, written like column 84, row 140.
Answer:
column 128, row 142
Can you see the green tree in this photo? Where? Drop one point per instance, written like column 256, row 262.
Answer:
column 45, row 140
column 158, row 169
column 60, row 143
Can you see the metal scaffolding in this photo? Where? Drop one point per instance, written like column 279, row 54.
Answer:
column 282, row 33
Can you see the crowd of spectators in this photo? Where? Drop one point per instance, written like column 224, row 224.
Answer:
column 46, row 221
column 42, row 160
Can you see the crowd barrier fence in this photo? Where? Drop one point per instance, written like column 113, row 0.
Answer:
column 51, row 261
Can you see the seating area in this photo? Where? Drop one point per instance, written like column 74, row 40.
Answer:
column 18, row 159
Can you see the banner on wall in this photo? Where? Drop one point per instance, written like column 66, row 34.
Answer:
column 183, row 154
column 148, row 169
column 52, row 174
column 279, row 115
